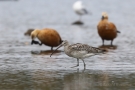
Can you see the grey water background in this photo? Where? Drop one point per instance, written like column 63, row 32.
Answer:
column 29, row 67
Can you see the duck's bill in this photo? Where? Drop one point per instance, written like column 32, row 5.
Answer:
column 34, row 42
column 56, row 49
column 102, row 17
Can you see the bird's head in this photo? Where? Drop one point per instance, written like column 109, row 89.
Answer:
column 64, row 43
column 104, row 15
column 77, row 4
column 34, row 34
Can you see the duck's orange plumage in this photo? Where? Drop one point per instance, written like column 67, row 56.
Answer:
column 106, row 30
column 47, row 36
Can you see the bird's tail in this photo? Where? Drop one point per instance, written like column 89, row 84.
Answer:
column 118, row 31
column 98, row 50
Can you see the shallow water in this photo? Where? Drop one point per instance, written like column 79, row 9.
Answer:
column 29, row 67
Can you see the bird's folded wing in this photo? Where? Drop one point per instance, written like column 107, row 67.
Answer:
column 85, row 48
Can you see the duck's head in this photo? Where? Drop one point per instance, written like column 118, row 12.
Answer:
column 104, row 15
column 34, row 34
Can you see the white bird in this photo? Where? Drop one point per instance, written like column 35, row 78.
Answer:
column 79, row 51
column 79, row 9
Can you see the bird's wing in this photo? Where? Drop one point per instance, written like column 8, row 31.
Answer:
column 84, row 10
column 114, row 27
column 111, row 25
column 85, row 48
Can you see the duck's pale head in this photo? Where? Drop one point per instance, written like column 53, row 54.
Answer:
column 34, row 34
column 104, row 15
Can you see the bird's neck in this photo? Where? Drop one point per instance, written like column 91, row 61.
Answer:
column 105, row 19
column 66, row 50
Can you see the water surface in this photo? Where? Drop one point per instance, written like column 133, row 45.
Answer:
column 29, row 67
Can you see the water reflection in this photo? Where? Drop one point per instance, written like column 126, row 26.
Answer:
column 65, row 80
column 22, row 68
column 46, row 52
column 108, row 47
column 77, row 23
column 95, row 81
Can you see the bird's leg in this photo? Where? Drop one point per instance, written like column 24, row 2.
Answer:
column 80, row 18
column 77, row 63
column 111, row 42
column 51, row 48
column 84, row 63
column 103, row 42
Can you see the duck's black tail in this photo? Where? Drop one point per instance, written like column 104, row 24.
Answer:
column 118, row 31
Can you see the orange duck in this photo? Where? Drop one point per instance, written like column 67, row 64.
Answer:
column 47, row 36
column 107, row 30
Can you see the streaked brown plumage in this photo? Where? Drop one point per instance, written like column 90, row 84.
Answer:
column 47, row 36
column 79, row 51
column 107, row 30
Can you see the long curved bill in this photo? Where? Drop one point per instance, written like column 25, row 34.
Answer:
column 56, row 49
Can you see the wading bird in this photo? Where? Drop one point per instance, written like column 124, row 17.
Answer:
column 79, row 51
